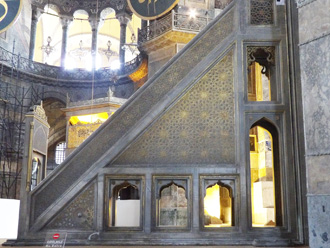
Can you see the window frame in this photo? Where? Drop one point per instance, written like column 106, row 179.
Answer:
column 280, row 184
column 63, row 152
column 158, row 182
column 231, row 181
column 276, row 81
column 112, row 181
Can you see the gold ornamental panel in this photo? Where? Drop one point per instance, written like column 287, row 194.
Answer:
column 199, row 128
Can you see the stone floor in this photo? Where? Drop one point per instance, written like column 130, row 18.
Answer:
column 3, row 240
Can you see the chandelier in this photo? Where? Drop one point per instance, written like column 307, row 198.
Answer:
column 48, row 49
column 132, row 47
column 80, row 52
column 108, row 52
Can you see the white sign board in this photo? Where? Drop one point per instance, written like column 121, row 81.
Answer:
column 55, row 239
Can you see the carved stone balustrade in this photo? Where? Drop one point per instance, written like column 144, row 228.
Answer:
column 172, row 28
column 52, row 75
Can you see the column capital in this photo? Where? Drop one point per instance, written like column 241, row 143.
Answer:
column 66, row 21
column 36, row 13
column 95, row 22
column 123, row 18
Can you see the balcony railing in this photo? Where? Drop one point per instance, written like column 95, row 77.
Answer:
column 59, row 73
column 173, row 21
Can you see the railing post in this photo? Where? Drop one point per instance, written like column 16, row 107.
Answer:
column 18, row 60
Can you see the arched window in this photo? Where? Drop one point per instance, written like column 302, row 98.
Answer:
column 173, row 206
column 265, row 175
column 218, row 211
column 60, row 152
column 124, row 208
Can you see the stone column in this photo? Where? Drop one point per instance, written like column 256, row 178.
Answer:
column 123, row 19
column 95, row 25
column 66, row 21
column 36, row 13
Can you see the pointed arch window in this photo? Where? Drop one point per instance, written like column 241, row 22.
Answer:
column 218, row 202
column 172, row 202
column 125, row 202
column 172, row 206
column 265, row 175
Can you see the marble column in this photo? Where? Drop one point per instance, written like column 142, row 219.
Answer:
column 123, row 19
column 66, row 21
column 36, row 13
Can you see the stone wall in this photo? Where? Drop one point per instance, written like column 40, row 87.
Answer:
column 314, row 39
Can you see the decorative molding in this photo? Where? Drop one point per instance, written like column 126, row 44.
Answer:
column 270, row 50
column 302, row 3
column 39, row 111
column 315, row 39
column 317, row 154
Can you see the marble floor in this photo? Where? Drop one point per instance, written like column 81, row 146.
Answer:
column 3, row 240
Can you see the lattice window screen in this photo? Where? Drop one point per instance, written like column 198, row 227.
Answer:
column 262, row 12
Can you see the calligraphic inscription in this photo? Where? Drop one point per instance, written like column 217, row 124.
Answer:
column 151, row 9
column 9, row 11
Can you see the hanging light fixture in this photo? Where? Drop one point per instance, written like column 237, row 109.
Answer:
column 132, row 47
column 108, row 52
column 79, row 53
column 48, row 49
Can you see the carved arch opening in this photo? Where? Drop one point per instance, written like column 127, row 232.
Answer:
column 265, row 175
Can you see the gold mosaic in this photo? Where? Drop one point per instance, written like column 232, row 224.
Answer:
column 199, row 128
column 79, row 133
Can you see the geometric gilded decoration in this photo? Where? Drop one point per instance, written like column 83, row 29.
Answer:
column 198, row 129
column 262, row 12
column 79, row 214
